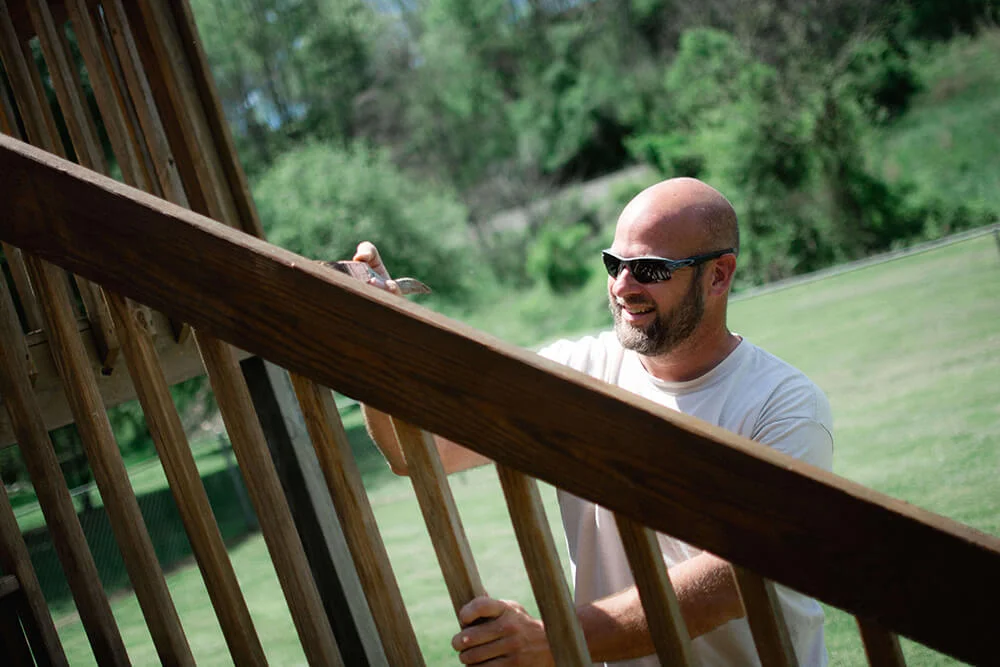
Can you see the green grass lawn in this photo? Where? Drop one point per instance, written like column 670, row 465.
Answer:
column 908, row 352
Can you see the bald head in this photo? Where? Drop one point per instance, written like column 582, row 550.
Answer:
column 682, row 216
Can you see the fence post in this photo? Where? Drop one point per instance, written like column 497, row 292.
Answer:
column 314, row 513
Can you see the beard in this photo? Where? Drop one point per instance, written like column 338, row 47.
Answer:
column 668, row 330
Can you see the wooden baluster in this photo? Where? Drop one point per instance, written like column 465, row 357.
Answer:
column 269, row 501
column 151, row 385
column 343, row 479
column 40, row 125
column 767, row 621
column 541, row 560
column 663, row 615
column 15, row 560
column 185, row 484
column 881, row 646
column 440, row 514
column 53, row 496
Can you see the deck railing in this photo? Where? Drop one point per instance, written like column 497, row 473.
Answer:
column 776, row 519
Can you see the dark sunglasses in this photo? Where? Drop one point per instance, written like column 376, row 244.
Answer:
column 654, row 269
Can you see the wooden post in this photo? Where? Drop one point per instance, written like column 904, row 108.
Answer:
column 767, row 621
column 541, row 560
column 881, row 646
column 343, row 480
column 53, row 496
column 16, row 561
column 440, row 514
column 663, row 613
column 315, row 515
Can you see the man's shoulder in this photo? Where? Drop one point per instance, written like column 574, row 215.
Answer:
column 784, row 390
column 589, row 354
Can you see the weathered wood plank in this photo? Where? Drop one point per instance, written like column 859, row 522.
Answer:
column 541, row 560
column 437, row 504
column 343, row 479
column 269, row 502
column 185, row 484
column 596, row 441
column 53, row 497
column 881, row 647
column 180, row 361
column 663, row 613
column 766, row 619
column 16, row 561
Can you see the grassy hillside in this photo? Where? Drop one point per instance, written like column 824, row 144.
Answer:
column 948, row 144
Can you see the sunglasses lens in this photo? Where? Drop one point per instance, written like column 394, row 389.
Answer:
column 650, row 270
column 612, row 264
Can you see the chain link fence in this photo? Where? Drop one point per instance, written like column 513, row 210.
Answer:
column 226, row 492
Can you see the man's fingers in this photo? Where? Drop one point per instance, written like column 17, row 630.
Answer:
column 482, row 607
column 368, row 253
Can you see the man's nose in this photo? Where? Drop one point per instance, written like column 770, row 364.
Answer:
column 625, row 283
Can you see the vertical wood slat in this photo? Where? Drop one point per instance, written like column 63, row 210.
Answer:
column 663, row 614
column 40, row 125
column 89, row 153
column 766, row 619
column 541, row 560
column 269, row 501
column 84, row 396
column 440, row 514
column 210, row 103
column 185, row 484
column 53, row 495
column 155, row 148
column 173, row 86
column 25, row 291
column 22, row 284
column 368, row 551
column 881, row 646
column 15, row 560
column 235, row 405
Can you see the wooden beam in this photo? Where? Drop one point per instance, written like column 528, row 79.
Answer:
column 766, row 619
column 180, row 362
column 791, row 522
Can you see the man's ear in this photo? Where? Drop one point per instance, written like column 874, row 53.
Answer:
column 722, row 273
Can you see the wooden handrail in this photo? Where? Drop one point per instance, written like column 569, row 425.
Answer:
column 798, row 525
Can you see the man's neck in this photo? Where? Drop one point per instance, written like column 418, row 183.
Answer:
column 692, row 358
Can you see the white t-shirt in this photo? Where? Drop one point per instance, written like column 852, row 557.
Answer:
column 752, row 393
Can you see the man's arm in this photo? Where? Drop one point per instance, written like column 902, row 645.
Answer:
column 615, row 627
column 454, row 458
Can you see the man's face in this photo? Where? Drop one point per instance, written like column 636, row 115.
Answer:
column 645, row 322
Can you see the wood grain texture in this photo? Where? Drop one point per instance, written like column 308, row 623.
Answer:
column 881, row 646
column 53, row 497
column 210, row 103
column 25, row 292
column 185, row 484
column 87, row 146
column 264, row 488
column 437, row 504
column 801, row 526
column 15, row 561
column 107, row 466
column 343, row 479
column 541, row 560
column 663, row 613
column 766, row 619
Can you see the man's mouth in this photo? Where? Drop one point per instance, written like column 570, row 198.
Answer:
column 635, row 310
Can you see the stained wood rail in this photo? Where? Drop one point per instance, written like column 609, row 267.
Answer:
column 593, row 440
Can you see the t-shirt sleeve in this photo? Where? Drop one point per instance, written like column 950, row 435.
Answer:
column 797, row 421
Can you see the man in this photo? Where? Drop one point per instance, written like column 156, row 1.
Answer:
column 671, row 345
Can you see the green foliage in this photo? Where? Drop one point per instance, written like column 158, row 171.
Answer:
column 320, row 201
column 562, row 257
